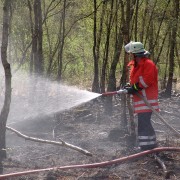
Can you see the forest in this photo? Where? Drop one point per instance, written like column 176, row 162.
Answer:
column 81, row 43
column 65, row 40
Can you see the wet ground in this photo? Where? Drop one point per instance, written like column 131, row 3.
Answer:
column 90, row 128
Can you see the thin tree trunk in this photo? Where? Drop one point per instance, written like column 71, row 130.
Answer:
column 125, row 32
column 162, row 45
column 178, row 59
column 150, row 19
column 32, row 34
column 106, row 51
column 125, row 75
column 7, row 69
column 136, row 20
column 112, row 75
column 40, row 39
column 172, row 48
column 151, row 39
column 62, row 39
column 159, row 28
column 35, row 38
column 164, row 82
column 37, row 52
column 143, row 21
column 95, row 85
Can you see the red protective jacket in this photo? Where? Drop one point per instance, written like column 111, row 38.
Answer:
column 146, row 74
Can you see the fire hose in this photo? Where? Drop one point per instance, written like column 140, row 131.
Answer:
column 124, row 91
column 93, row 165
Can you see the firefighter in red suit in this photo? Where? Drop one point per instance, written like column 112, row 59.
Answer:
column 144, row 80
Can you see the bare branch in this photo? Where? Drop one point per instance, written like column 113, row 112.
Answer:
column 161, row 164
column 62, row 143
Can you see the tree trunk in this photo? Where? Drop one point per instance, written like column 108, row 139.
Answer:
column 163, row 85
column 95, row 85
column 162, row 45
column 125, row 32
column 62, row 39
column 136, row 20
column 37, row 50
column 40, row 39
column 7, row 69
column 36, row 60
column 152, row 5
column 160, row 25
column 178, row 59
column 112, row 75
column 125, row 74
column 32, row 34
column 151, row 39
column 172, row 48
column 144, row 21
column 106, row 50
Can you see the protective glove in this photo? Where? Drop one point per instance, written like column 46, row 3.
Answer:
column 133, row 89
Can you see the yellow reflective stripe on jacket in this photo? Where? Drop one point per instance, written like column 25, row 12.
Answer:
column 135, row 87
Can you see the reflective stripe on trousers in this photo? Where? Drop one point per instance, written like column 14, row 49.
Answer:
column 147, row 140
column 147, row 143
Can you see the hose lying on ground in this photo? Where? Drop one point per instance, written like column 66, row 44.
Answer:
column 94, row 165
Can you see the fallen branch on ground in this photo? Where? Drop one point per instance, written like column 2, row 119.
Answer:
column 62, row 143
column 94, row 165
column 161, row 164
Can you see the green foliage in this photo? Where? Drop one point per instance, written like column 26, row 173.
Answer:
column 77, row 65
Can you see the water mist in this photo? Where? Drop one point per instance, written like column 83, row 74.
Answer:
column 34, row 96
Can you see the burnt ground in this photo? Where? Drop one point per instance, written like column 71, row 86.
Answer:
column 89, row 127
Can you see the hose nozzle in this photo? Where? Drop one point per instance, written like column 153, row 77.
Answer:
column 121, row 91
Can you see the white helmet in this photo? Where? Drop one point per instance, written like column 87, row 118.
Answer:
column 134, row 47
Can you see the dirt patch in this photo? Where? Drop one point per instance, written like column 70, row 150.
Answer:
column 88, row 127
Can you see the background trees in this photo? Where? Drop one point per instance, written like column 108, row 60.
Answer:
column 68, row 39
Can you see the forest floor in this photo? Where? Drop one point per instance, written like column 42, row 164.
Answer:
column 88, row 127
